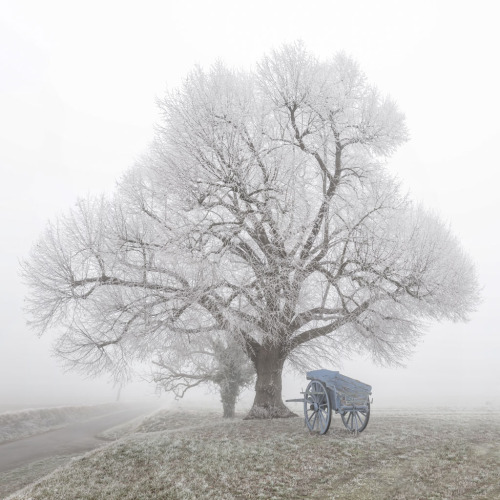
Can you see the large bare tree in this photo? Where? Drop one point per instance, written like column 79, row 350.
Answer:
column 263, row 209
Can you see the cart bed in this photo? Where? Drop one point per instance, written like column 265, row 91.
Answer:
column 334, row 380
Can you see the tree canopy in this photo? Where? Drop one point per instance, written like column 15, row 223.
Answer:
column 263, row 208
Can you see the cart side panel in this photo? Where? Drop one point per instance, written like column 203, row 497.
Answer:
column 351, row 386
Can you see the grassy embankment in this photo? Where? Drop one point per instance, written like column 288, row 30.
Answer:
column 24, row 423
column 401, row 455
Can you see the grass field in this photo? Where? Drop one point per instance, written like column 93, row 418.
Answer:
column 192, row 455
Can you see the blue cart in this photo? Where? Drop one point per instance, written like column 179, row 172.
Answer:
column 330, row 391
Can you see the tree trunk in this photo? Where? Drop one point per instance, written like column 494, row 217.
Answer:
column 228, row 410
column 228, row 395
column 268, row 402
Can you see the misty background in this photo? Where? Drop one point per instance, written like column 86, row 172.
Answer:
column 78, row 83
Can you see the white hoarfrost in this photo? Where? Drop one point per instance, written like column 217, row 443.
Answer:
column 262, row 210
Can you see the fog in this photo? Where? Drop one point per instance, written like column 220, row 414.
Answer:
column 77, row 105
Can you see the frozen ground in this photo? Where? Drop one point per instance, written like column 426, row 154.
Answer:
column 186, row 455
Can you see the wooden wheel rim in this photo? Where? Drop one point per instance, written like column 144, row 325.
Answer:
column 317, row 407
column 356, row 420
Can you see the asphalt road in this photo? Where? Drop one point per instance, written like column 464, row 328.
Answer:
column 74, row 439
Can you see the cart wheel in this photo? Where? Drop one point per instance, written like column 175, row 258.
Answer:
column 356, row 420
column 317, row 408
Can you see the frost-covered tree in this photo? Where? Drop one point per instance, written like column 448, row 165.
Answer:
column 217, row 360
column 263, row 209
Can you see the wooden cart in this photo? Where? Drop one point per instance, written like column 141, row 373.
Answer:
column 330, row 391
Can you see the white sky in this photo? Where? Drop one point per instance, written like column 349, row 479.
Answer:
column 78, row 82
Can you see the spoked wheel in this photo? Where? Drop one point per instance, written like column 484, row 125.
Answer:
column 356, row 420
column 317, row 407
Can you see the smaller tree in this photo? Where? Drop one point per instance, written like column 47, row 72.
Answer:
column 217, row 361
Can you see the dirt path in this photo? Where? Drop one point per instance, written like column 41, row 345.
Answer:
column 26, row 460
